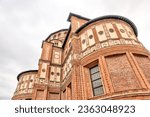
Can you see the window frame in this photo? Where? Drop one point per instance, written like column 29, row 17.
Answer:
column 100, row 86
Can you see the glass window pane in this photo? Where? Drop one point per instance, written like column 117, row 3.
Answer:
column 96, row 83
column 95, row 76
column 98, row 91
column 94, row 69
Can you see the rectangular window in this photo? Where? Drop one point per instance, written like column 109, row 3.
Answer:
column 96, row 81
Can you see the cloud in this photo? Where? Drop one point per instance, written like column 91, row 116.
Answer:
column 24, row 24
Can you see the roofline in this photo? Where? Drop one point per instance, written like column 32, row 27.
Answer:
column 66, row 37
column 25, row 72
column 110, row 17
column 55, row 32
column 78, row 16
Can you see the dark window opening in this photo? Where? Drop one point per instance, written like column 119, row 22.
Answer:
column 96, row 81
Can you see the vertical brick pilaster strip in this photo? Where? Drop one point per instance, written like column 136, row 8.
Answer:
column 105, row 76
column 34, row 93
column 45, row 96
column 28, row 82
column 141, row 77
column 84, row 87
column 47, row 73
column 106, row 31
column 67, row 93
column 95, row 35
column 76, row 48
column 116, row 29
column 78, row 83
column 61, row 94
column 74, row 83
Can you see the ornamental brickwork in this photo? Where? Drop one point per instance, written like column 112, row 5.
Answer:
column 94, row 59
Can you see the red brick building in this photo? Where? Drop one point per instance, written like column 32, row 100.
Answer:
column 94, row 59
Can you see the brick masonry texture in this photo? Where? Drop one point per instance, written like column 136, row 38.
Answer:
column 68, row 55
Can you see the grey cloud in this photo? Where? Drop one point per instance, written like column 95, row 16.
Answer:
column 4, row 97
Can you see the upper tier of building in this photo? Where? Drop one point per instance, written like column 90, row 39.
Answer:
column 60, row 37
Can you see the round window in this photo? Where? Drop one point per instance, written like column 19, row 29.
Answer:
column 52, row 73
column 111, row 30
column 54, row 36
column 130, row 33
column 121, row 30
column 59, row 34
column 43, row 70
column 100, row 32
column 83, row 41
column 91, row 36
column 58, row 74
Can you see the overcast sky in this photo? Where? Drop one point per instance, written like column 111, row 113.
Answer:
column 24, row 24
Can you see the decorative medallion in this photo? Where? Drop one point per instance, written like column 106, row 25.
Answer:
column 91, row 36
column 111, row 30
column 121, row 30
column 58, row 74
column 43, row 70
column 100, row 32
column 83, row 41
column 52, row 73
